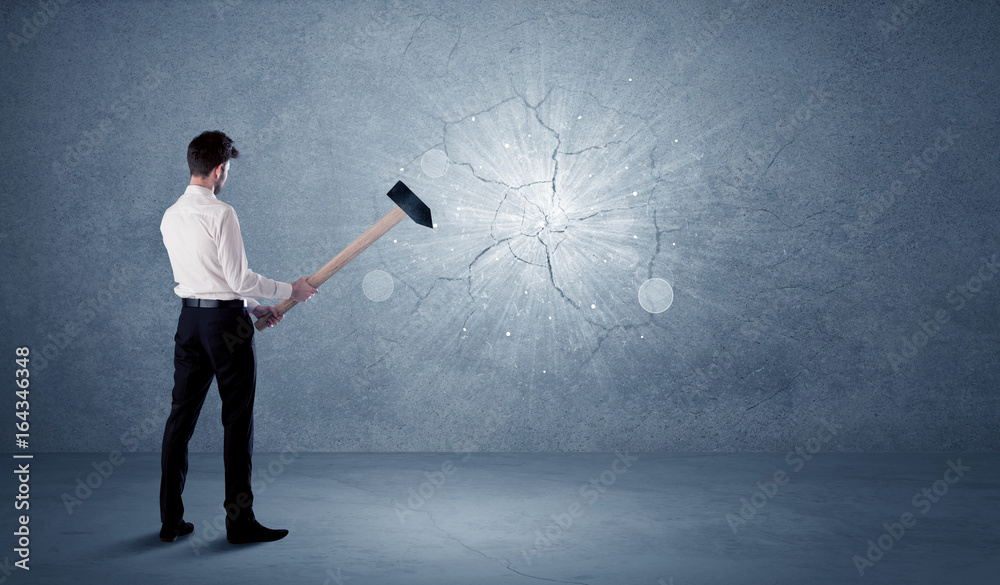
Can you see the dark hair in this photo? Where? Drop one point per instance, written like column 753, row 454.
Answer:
column 209, row 150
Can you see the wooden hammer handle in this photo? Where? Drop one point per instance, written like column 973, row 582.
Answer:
column 340, row 260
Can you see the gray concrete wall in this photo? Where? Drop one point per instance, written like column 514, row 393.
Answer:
column 816, row 182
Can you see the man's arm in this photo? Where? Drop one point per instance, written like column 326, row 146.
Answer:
column 270, row 313
column 233, row 259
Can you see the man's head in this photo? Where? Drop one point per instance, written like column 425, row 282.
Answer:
column 208, row 158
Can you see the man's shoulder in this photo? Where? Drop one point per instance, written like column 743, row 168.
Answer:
column 200, row 205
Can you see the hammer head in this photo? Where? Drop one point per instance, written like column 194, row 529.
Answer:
column 409, row 202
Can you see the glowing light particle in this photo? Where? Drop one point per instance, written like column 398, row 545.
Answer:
column 473, row 118
column 593, row 306
column 579, row 117
column 508, row 334
column 506, row 145
column 635, row 193
column 656, row 295
column 377, row 286
column 675, row 140
column 434, row 163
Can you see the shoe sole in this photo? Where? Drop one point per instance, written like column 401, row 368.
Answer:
column 176, row 534
column 241, row 541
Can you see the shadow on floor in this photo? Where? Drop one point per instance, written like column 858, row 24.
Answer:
column 189, row 544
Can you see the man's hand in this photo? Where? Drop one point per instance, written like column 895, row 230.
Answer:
column 302, row 290
column 271, row 313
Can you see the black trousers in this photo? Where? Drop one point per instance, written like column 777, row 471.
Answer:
column 211, row 342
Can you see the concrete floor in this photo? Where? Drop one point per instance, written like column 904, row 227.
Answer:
column 652, row 518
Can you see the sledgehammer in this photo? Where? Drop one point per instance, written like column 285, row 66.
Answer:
column 407, row 204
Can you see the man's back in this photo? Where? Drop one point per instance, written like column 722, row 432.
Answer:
column 203, row 241
column 191, row 234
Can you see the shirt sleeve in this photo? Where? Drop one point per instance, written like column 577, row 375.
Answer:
column 251, row 304
column 233, row 260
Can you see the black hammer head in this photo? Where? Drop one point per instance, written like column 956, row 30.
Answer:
column 409, row 202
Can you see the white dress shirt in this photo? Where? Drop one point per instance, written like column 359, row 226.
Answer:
column 203, row 240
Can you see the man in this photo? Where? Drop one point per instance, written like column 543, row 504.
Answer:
column 214, row 338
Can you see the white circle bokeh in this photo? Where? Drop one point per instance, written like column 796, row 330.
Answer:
column 434, row 163
column 656, row 295
column 377, row 285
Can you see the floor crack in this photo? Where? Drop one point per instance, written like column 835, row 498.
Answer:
column 506, row 561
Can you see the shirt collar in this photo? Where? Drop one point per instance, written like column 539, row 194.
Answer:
column 199, row 190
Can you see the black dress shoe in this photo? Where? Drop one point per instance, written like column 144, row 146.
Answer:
column 170, row 533
column 252, row 531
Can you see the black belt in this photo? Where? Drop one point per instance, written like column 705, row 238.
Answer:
column 212, row 303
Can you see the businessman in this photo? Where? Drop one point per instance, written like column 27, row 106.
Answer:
column 214, row 338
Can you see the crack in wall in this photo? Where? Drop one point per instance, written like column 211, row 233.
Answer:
column 551, row 226
column 546, row 224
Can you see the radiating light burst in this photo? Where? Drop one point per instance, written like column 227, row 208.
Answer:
column 544, row 233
